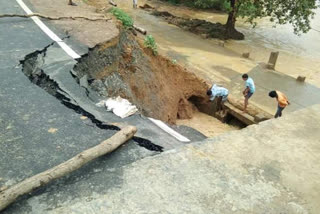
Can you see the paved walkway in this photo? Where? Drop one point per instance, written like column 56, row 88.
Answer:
column 301, row 95
column 272, row 167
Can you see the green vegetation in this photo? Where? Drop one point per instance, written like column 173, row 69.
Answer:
column 298, row 12
column 122, row 16
column 295, row 12
column 149, row 42
column 222, row 5
column 174, row 2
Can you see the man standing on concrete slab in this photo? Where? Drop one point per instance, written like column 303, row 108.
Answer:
column 221, row 94
column 282, row 101
column 248, row 91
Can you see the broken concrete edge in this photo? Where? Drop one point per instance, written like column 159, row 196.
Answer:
column 256, row 114
column 243, row 117
column 71, row 103
column 103, row 44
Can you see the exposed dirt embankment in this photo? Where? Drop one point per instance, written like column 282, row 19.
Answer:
column 197, row 26
column 157, row 86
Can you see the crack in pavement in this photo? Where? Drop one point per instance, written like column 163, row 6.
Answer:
column 31, row 67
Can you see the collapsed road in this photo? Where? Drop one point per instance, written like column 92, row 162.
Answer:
column 40, row 130
column 48, row 115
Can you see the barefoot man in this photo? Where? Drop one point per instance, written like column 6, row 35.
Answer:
column 221, row 94
column 248, row 91
column 282, row 101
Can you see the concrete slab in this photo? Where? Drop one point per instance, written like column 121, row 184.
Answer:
column 237, row 113
column 246, row 171
column 300, row 94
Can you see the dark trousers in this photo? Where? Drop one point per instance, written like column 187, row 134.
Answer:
column 279, row 112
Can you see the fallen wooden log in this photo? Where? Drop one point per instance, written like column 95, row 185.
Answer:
column 10, row 195
column 146, row 6
column 139, row 29
column 112, row 3
column 53, row 18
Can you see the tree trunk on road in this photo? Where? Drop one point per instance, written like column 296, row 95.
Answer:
column 9, row 195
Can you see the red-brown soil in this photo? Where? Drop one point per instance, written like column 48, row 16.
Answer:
column 157, row 86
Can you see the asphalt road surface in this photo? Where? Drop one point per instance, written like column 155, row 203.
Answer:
column 38, row 131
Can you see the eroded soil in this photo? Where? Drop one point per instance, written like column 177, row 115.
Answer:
column 157, row 86
column 120, row 65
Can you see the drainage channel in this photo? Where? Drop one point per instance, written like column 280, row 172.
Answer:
column 38, row 77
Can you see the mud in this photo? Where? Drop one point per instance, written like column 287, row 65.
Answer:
column 197, row 26
column 157, row 86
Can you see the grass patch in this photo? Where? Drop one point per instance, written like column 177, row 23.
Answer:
column 122, row 16
column 220, row 5
column 149, row 42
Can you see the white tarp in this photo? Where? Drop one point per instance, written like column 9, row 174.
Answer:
column 119, row 106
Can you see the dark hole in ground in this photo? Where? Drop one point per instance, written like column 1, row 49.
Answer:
column 31, row 67
column 195, row 100
column 233, row 121
column 210, row 108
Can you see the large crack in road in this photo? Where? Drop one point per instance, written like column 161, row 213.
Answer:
column 32, row 67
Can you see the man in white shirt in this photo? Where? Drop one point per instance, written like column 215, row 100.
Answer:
column 221, row 94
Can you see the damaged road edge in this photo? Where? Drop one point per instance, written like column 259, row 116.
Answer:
column 31, row 67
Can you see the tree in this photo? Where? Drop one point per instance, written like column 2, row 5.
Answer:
column 296, row 12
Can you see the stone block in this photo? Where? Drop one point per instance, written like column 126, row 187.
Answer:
column 301, row 78
column 270, row 66
column 273, row 60
column 221, row 43
column 246, row 55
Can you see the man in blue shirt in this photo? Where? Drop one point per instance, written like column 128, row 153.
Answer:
column 248, row 91
column 220, row 93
